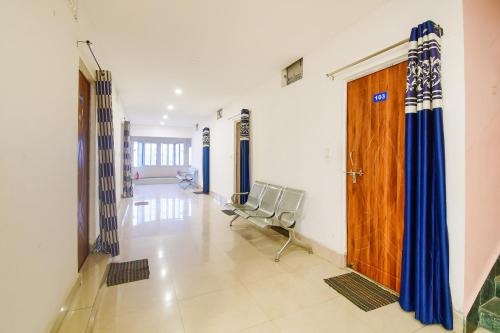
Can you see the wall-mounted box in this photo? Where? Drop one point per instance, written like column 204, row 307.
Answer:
column 292, row 73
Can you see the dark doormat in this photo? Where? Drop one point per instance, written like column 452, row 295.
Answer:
column 129, row 271
column 199, row 192
column 365, row 294
column 228, row 212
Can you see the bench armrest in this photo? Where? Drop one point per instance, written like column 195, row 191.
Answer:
column 292, row 213
column 233, row 197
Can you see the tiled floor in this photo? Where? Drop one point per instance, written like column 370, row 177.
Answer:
column 208, row 277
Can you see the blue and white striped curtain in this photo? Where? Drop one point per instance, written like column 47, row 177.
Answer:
column 425, row 269
column 245, row 154
column 206, row 160
column 127, row 162
column 108, row 238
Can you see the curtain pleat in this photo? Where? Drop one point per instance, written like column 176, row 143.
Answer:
column 206, row 160
column 245, row 154
column 128, row 191
column 107, row 240
column 425, row 264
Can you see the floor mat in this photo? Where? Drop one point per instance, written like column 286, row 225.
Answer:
column 199, row 192
column 228, row 212
column 365, row 294
column 141, row 203
column 129, row 271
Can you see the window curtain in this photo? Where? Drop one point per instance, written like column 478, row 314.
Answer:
column 128, row 191
column 425, row 269
column 206, row 160
column 108, row 238
column 245, row 154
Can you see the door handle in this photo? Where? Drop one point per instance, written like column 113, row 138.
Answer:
column 354, row 174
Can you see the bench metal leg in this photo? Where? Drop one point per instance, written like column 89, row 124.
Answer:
column 234, row 219
column 292, row 239
column 284, row 247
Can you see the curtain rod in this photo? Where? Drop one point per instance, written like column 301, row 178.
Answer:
column 332, row 74
column 89, row 44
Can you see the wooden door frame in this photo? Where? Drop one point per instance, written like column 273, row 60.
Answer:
column 89, row 73
column 84, row 93
column 383, row 61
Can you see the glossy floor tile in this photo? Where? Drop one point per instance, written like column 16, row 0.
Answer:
column 208, row 277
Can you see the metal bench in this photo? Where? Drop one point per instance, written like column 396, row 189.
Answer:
column 253, row 200
column 278, row 208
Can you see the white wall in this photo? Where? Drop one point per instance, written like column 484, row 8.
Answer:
column 160, row 131
column 293, row 129
column 38, row 168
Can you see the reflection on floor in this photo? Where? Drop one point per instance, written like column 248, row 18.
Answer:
column 207, row 277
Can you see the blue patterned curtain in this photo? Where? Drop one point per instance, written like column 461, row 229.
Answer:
column 206, row 160
column 424, row 277
column 127, row 162
column 108, row 238
column 245, row 154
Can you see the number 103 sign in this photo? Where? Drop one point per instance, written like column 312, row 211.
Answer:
column 380, row 97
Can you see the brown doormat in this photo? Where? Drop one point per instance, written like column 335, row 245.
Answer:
column 129, row 271
column 365, row 294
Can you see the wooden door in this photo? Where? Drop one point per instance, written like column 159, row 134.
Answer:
column 375, row 203
column 237, row 158
column 83, row 168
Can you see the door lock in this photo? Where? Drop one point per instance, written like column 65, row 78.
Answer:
column 354, row 174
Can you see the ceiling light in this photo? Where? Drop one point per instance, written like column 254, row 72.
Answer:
column 178, row 91
column 165, row 116
column 170, row 107
column 162, row 123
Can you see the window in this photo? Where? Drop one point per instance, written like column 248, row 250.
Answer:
column 138, row 154
column 150, row 154
column 164, row 154
column 190, row 156
column 170, row 154
column 179, row 154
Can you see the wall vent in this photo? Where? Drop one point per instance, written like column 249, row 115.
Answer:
column 219, row 114
column 292, row 73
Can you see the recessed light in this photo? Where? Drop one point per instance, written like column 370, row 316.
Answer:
column 162, row 123
column 178, row 91
column 165, row 116
column 170, row 107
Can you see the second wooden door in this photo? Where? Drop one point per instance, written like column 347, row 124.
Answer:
column 83, row 168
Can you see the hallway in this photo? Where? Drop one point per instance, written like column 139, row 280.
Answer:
column 206, row 277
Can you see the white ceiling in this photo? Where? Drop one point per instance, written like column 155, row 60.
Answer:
column 213, row 50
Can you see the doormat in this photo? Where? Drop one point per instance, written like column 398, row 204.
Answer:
column 199, row 192
column 365, row 294
column 228, row 212
column 141, row 203
column 129, row 271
